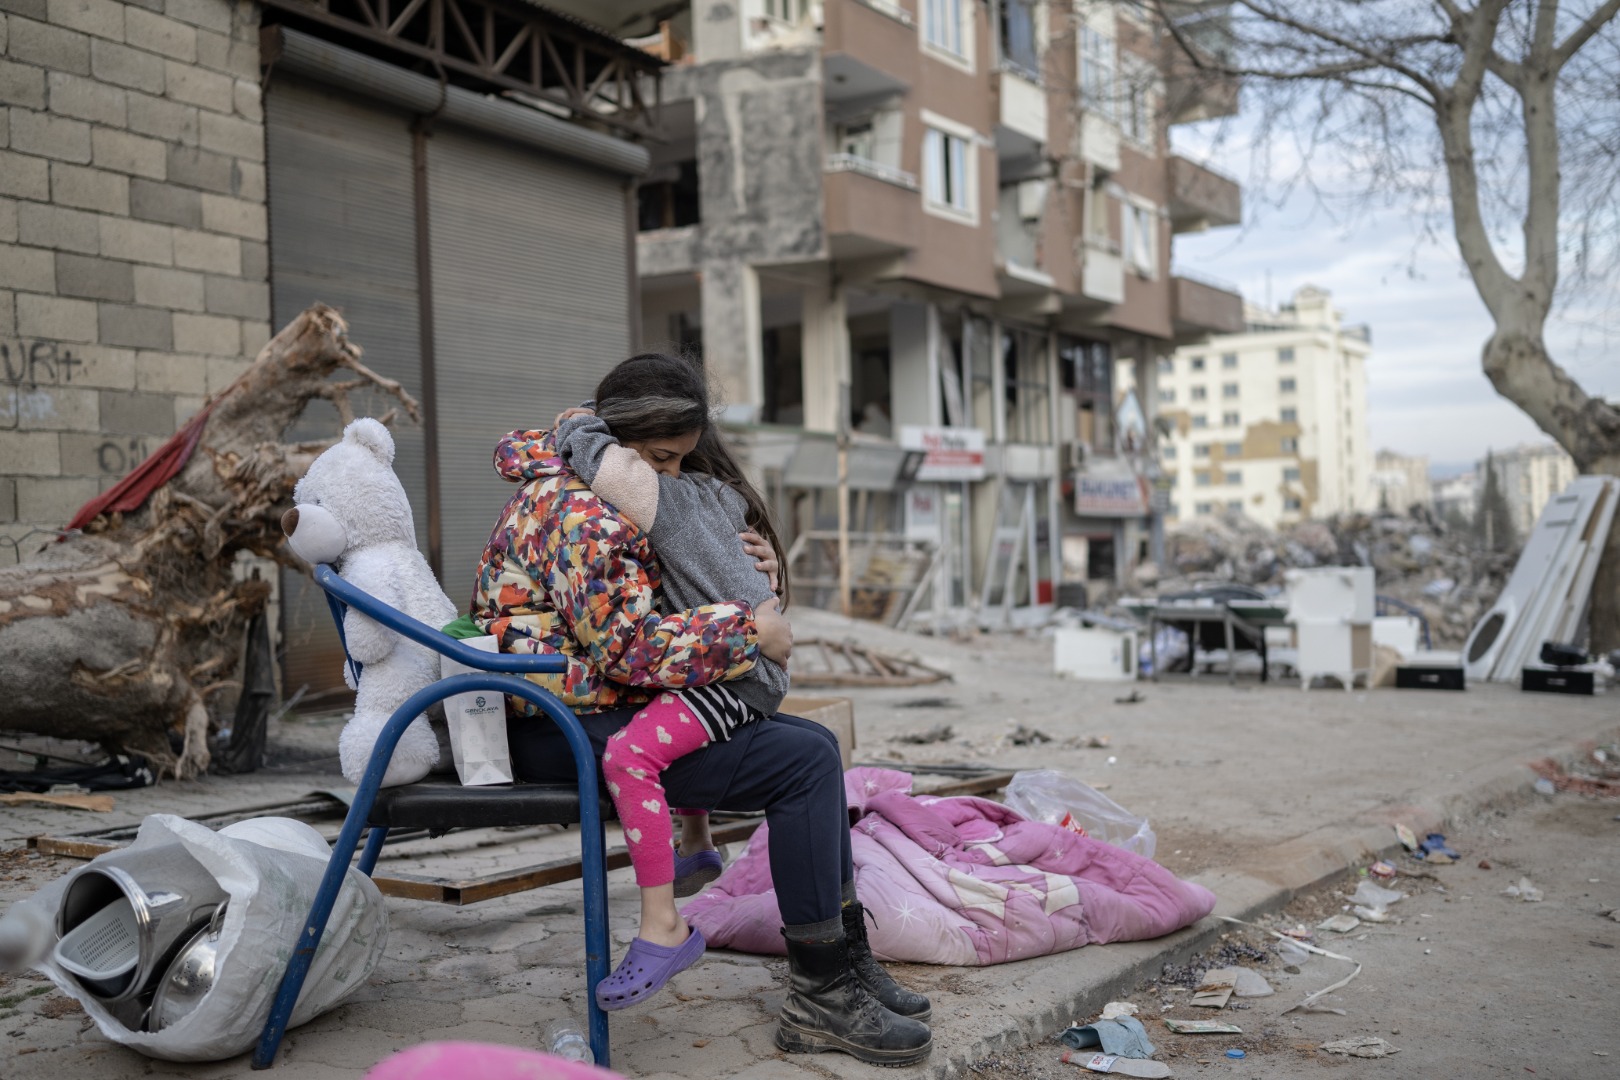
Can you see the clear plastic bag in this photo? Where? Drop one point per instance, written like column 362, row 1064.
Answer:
column 1059, row 799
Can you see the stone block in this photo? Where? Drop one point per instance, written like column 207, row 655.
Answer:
column 24, row 176
column 185, row 407
column 94, row 279
column 49, row 136
column 27, row 268
column 223, row 370
column 176, row 290
column 152, row 201
column 210, row 14
column 56, row 318
column 103, row 455
column 122, row 151
column 211, row 335
column 195, row 85
column 160, row 118
column 97, row 366
column 8, row 495
column 237, row 217
column 125, row 66
column 255, row 336
column 46, row 226
column 28, row 9
column 54, row 499
column 30, row 453
column 249, row 101
column 250, row 181
column 233, row 135
column 136, row 327
column 8, row 313
column 89, row 189
column 87, row 99
column 138, row 241
column 171, row 373
column 38, row 407
column 255, row 257
column 200, row 169
column 54, row 48
column 22, row 84
column 207, row 251
column 102, row 18
column 233, row 296
column 157, row 33
column 5, row 128
column 136, row 413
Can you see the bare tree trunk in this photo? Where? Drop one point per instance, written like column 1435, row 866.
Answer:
column 120, row 634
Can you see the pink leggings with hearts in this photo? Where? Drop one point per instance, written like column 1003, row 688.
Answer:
column 635, row 758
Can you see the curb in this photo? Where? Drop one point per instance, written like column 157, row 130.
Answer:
column 1083, row 981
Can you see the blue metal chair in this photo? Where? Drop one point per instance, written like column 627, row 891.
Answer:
column 426, row 804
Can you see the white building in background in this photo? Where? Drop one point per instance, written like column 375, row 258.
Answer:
column 1529, row 476
column 1457, row 496
column 1400, row 482
column 1272, row 421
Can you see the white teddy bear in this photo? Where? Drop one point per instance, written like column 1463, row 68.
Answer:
column 352, row 512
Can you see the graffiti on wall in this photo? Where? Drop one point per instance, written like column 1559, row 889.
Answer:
column 37, row 363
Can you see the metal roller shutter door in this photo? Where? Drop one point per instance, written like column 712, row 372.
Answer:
column 530, row 309
column 343, row 232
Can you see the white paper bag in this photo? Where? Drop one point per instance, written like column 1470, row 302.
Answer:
column 477, row 723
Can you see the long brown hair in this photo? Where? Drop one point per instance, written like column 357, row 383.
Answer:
column 660, row 396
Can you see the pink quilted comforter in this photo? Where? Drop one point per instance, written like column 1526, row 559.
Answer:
column 963, row 881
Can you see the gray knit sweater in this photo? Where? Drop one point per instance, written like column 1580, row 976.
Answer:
column 692, row 522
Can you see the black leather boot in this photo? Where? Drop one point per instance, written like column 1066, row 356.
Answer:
column 879, row 983
column 828, row 1009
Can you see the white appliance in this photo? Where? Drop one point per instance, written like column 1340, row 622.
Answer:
column 1332, row 609
column 1093, row 654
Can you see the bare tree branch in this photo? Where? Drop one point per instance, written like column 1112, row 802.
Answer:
column 1583, row 33
column 1385, row 58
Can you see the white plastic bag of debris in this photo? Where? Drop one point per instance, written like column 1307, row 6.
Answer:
column 1059, row 799
column 175, row 945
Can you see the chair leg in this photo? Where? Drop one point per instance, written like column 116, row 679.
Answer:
column 593, row 863
column 374, row 845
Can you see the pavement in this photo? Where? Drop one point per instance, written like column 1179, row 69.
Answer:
column 1258, row 792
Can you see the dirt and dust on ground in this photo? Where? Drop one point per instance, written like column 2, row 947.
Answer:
column 1465, row 980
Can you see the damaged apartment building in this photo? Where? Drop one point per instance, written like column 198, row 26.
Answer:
column 935, row 226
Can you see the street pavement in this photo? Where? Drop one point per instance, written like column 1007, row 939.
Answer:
column 1256, row 791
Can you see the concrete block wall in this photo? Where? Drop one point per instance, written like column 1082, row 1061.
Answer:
column 133, row 238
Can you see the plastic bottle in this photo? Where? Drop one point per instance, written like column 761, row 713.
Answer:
column 563, row 1039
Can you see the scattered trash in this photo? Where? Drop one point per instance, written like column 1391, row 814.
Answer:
column 1133, row 698
column 1546, row 787
column 937, row 734
column 1105, row 1063
column 1372, row 915
column 1201, row 1027
column 1310, row 1000
column 1058, row 799
column 1484, row 864
column 1597, row 776
column 1375, row 896
column 833, row 663
column 1292, row 953
column 1123, row 1036
column 1215, row 990
column 1524, row 891
column 1028, row 736
column 1434, row 849
column 1097, row 742
column 1250, row 984
column 1236, row 1053
column 1407, row 837
column 1116, row 1009
column 1365, row 1046
column 1340, row 924
column 1381, row 870
column 100, row 804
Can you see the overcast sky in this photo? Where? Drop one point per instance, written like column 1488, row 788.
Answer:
column 1426, row 390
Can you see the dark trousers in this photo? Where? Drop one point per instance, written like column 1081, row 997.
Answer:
column 785, row 766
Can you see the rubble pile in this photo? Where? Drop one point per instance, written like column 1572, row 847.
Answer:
column 1442, row 572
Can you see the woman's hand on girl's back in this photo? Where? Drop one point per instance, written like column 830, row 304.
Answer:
column 774, row 630
column 764, row 556
column 569, row 414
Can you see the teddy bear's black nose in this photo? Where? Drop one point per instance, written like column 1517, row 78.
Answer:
column 289, row 521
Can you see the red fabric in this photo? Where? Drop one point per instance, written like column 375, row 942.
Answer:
column 132, row 491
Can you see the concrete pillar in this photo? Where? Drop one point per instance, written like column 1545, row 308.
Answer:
column 732, row 345
column 914, row 365
column 824, row 322
column 717, row 29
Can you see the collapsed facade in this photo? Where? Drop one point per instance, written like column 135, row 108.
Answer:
column 935, row 226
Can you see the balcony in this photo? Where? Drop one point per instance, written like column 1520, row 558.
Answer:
column 1102, row 272
column 1194, row 93
column 1099, row 142
column 872, row 208
column 869, row 50
column 1200, row 306
column 1202, row 198
column 668, row 252
column 1020, row 116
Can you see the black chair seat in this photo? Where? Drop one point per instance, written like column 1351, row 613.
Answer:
column 440, row 803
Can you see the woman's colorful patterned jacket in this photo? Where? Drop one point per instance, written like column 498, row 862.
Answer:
column 564, row 572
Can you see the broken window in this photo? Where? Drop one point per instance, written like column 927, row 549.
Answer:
column 668, row 199
column 1028, row 386
column 1018, row 38
column 1141, row 245
column 1087, row 371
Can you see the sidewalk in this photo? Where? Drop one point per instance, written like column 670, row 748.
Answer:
column 1253, row 791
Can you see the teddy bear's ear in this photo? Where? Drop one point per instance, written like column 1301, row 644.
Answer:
column 373, row 436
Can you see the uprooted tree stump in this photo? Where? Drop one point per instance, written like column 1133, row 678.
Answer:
column 122, row 632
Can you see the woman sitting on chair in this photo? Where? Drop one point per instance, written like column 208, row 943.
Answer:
column 566, row 572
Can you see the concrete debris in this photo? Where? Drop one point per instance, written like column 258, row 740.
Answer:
column 937, row 734
column 1367, row 1046
column 1437, row 570
column 820, row 662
